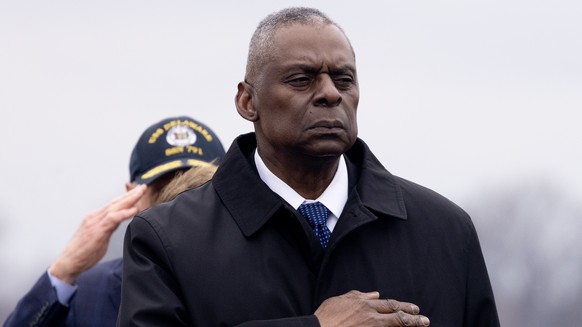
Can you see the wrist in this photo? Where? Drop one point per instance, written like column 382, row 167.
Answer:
column 59, row 270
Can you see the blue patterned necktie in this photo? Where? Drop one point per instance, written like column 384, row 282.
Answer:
column 316, row 214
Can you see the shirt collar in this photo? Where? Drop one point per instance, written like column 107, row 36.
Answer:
column 334, row 197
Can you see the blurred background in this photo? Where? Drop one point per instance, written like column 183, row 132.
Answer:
column 477, row 100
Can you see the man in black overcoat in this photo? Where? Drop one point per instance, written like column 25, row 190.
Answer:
column 301, row 224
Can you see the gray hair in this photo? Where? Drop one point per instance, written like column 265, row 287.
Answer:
column 262, row 40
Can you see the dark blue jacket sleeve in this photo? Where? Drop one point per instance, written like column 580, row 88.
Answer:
column 39, row 307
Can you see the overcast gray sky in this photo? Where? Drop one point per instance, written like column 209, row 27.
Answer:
column 459, row 96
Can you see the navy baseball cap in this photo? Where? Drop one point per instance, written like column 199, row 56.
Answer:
column 172, row 144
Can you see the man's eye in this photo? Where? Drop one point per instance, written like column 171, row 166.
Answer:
column 344, row 82
column 299, row 81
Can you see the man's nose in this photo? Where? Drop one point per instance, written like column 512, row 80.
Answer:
column 327, row 93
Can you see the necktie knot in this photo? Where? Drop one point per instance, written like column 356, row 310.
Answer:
column 316, row 214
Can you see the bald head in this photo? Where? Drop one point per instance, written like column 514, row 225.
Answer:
column 263, row 38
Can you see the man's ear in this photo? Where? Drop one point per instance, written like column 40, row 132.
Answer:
column 244, row 102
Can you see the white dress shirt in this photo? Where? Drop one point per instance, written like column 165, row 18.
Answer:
column 334, row 197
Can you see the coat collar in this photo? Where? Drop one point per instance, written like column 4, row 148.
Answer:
column 378, row 189
column 251, row 203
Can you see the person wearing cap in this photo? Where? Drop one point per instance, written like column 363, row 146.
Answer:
column 75, row 290
column 301, row 225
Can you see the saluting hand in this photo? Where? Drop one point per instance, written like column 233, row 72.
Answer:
column 89, row 243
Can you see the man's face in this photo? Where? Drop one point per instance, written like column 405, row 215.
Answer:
column 306, row 94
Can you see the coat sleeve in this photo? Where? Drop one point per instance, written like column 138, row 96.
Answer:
column 304, row 321
column 149, row 293
column 480, row 308
column 40, row 307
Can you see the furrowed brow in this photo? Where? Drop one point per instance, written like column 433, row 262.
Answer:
column 309, row 69
column 346, row 70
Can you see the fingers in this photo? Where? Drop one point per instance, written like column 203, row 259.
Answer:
column 124, row 201
column 384, row 305
column 406, row 313
column 121, row 204
column 117, row 217
column 108, row 218
column 136, row 189
column 405, row 319
column 396, row 313
column 129, row 199
column 390, row 306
